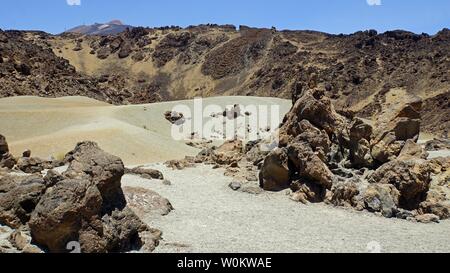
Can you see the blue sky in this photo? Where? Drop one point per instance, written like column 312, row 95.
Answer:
column 333, row 16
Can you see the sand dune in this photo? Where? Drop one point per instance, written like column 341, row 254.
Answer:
column 137, row 133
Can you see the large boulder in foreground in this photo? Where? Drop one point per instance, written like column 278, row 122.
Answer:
column 87, row 205
column 105, row 171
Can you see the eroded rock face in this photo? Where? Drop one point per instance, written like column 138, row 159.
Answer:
column 394, row 129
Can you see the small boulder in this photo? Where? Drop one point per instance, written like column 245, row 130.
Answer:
column 411, row 178
column 235, row 185
column 26, row 154
column 31, row 164
column 145, row 173
column 427, row 218
column 345, row 194
column 145, row 202
column 274, row 175
column 307, row 192
column 174, row 117
column 228, row 153
column 382, row 198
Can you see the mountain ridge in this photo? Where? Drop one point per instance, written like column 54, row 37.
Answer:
column 142, row 65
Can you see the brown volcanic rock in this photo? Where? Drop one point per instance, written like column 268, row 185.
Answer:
column 345, row 194
column 307, row 192
column 304, row 131
column 394, row 128
column 228, row 153
column 18, row 198
column 63, row 211
column 383, row 198
column 410, row 177
column 88, row 161
column 275, row 175
column 308, row 165
column 412, row 150
column 318, row 110
column 87, row 205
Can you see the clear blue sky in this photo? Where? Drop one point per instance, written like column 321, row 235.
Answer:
column 333, row 16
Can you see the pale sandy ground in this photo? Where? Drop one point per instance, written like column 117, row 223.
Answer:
column 210, row 217
column 137, row 133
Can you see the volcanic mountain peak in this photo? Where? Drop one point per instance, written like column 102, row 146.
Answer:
column 111, row 28
column 115, row 22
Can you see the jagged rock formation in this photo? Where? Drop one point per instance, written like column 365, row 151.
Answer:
column 325, row 157
column 357, row 71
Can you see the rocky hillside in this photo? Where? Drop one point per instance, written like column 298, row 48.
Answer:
column 360, row 72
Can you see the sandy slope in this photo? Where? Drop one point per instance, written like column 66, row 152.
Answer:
column 136, row 133
column 210, row 217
